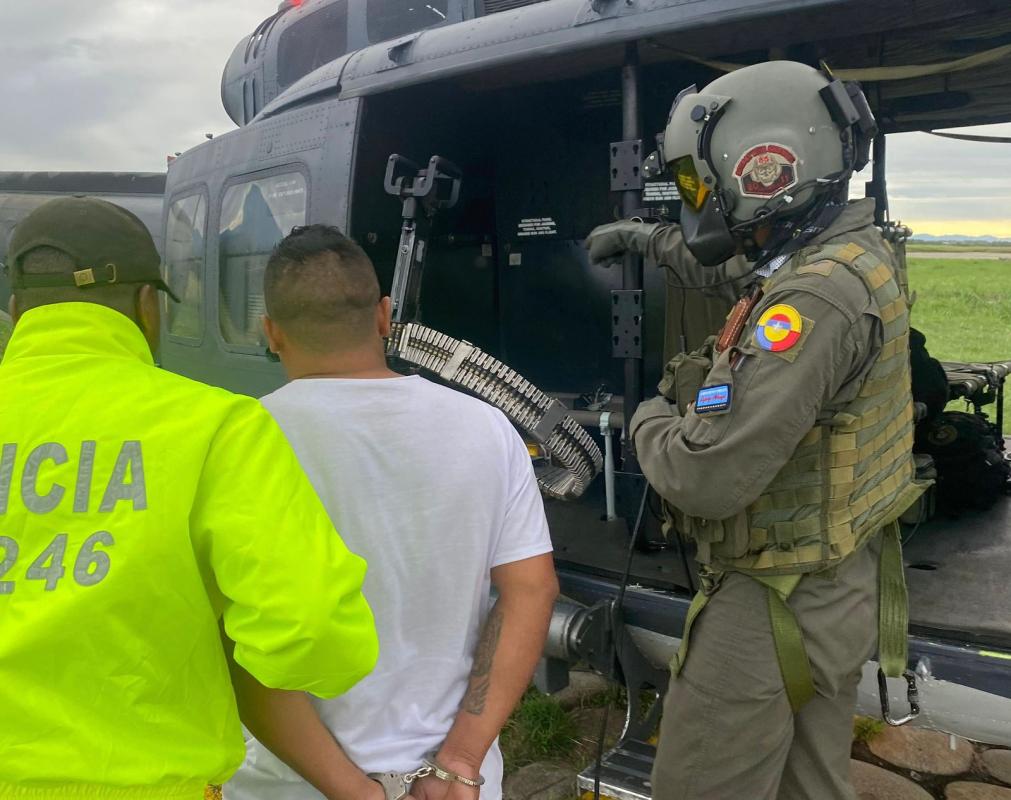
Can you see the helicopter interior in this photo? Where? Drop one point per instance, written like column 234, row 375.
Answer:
column 507, row 270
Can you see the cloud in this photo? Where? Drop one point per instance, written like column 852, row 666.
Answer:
column 120, row 84
column 934, row 182
column 115, row 84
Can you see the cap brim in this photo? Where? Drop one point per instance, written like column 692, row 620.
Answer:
column 160, row 284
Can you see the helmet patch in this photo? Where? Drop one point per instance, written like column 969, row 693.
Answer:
column 766, row 170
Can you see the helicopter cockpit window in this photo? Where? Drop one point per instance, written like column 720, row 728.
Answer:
column 255, row 216
column 313, row 41
column 388, row 19
column 184, row 265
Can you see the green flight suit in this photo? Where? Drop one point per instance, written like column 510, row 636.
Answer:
column 729, row 729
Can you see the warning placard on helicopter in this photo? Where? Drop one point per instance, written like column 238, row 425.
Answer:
column 659, row 191
column 537, row 226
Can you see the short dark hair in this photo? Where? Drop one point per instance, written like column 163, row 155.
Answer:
column 321, row 288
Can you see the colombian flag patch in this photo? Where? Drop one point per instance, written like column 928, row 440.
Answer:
column 779, row 328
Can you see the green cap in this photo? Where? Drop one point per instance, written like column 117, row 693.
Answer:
column 107, row 243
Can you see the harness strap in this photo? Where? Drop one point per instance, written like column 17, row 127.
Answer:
column 794, row 664
column 789, row 640
column 893, row 605
column 786, row 634
column 699, row 602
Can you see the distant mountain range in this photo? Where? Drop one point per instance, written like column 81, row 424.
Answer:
column 957, row 238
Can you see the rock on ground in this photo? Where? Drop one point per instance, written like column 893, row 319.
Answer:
column 583, row 686
column 998, row 764
column 875, row 783
column 922, row 750
column 540, row 782
column 588, row 722
column 967, row 790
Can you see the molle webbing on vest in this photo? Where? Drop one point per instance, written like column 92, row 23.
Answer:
column 848, row 477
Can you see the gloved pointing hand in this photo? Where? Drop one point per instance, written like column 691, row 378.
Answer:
column 608, row 243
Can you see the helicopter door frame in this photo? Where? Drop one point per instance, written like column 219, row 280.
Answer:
column 214, row 273
column 201, row 190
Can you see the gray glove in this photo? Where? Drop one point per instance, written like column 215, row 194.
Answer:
column 608, row 243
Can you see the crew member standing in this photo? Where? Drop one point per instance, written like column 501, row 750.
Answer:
column 138, row 510
column 437, row 491
column 788, row 456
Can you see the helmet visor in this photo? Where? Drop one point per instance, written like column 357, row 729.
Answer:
column 690, row 186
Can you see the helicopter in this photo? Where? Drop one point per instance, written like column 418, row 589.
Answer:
column 470, row 146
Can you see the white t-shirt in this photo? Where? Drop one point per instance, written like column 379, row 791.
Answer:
column 433, row 488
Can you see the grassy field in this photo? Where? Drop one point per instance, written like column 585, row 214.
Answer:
column 929, row 247
column 964, row 309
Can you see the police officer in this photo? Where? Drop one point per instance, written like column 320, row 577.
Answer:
column 137, row 510
column 785, row 457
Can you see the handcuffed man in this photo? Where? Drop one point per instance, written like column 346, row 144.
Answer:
column 437, row 491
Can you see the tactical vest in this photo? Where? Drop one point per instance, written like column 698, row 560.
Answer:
column 849, row 476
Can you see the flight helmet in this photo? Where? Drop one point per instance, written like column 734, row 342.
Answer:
column 765, row 145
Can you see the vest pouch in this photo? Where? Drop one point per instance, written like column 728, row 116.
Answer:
column 673, row 523
column 685, row 374
column 719, row 538
column 923, row 507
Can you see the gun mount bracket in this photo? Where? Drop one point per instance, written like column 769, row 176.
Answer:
column 626, row 166
column 423, row 192
column 603, row 641
column 437, row 186
column 626, row 323
column 573, row 458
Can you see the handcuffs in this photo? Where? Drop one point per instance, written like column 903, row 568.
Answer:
column 397, row 785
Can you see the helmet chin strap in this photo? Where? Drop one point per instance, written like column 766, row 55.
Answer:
column 712, row 240
column 782, row 204
column 791, row 234
column 787, row 234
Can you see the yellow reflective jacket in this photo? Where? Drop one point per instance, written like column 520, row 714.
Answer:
column 137, row 508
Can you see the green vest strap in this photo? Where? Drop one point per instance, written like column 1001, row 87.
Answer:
column 893, row 605
column 789, row 640
column 698, row 603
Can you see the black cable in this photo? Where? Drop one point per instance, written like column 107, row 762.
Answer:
column 682, row 550
column 799, row 235
column 912, row 533
column 702, row 286
column 658, row 516
column 672, row 273
column 615, row 629
column 680, row 284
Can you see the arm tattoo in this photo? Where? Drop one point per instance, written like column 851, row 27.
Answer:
column 480, row 673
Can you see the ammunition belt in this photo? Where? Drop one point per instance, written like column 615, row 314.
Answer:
column 574, row 456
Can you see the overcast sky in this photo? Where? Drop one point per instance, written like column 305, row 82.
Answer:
column 120, row 84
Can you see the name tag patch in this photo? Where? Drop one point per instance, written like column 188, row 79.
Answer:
column 713, row 398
